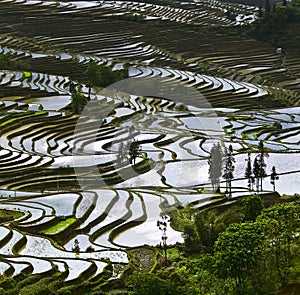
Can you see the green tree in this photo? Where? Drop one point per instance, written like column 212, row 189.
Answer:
column 162, row 224
column 251, row 207
column 192, row 242
column 78, row 103
column 76, row 247
column 238, row 253
column 100, row 75
column 134, row 151
column 93, row 75
column 269, row 28
column 195, row 276
column 280, row 224
column 206, row 231
column 256, row 173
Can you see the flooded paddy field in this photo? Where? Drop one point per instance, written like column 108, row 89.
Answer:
column 83, row 199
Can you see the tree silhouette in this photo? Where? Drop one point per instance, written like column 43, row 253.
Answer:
column 274, row 177
column 76, row 247
column 228, row 169
column 93, row 75
column 134, row 151
column 79, row 101
column 100, row 75
column 249, row 173
column 162, row 225
column 256, row 172
column 215, row 166
column 261, row 163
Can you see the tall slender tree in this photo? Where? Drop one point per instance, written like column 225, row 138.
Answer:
column 93, row 75
column 256, row 173
column 261, row 163
column 274, row 177
column 229, row 169
column 163, row 225
column 79, row 101
column 249, row 173
column 134, row 151
column 215, row 161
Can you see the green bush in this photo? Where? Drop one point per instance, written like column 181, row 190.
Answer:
column 149, row 284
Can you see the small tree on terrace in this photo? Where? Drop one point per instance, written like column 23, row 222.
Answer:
column 134, row 151
column 76, row 247
column 259, row 167
column 248, row 173
column 274, row 177
column 78, row 103
column 100, row 75
column 93, row 75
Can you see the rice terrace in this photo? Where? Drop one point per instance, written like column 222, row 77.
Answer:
column 149, row 147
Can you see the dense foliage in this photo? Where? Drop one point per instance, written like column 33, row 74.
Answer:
column 95, row 75
column 271, row 27
column 8, row 63
column 100, row 75
column 252, row 252
column 251, row 257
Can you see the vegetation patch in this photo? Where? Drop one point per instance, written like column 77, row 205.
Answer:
column 60, row 226
column 9, row 215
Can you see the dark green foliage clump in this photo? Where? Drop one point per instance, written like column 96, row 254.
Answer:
column 271, row 26
column 251, row 207
column 79, row 101
column 94, row 76
column 8, row 63
column 257, row 256
column 99, row 75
